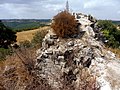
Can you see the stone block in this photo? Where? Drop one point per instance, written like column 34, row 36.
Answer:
column 53, row 37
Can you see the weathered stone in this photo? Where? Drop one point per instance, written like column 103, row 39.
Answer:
column 58, row 40
column 39, row 60
column 71, row 43
column 78, row 59
column 68, row 54
column 58, row 53
column 53, row 37
column 44, row 55
column 100, row 60
column 50, row 42
column 60, row 58
column 110, row 54
column 87, row 63
column 48, row 52
column 76, row 71
column 89, row 31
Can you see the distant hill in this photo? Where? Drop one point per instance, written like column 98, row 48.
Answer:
column 25, row 24
column 116, row 22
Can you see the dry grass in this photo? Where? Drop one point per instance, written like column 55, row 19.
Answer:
column 28, row 35
column 16, row 72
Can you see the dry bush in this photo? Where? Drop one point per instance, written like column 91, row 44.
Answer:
column 29, row 75
column 87, row 81
column 26, row 44
column 20, row 73
column 64, row 24
column 27, row 57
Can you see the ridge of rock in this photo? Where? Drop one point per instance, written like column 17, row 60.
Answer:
column 65, row 59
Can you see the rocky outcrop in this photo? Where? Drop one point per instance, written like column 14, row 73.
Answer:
column 81, row 63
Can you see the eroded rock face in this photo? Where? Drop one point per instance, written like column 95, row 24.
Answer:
column 74, row 61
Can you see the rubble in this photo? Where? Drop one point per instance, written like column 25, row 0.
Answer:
column 66, row 59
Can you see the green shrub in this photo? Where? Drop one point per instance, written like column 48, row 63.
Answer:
column 38, row 38
column 25, row 44
column 4, row 53
column 7, row 36
column 110, row 32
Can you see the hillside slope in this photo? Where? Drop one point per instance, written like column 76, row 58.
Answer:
column 28, row 35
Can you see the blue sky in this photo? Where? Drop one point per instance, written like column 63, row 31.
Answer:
column 44, row 9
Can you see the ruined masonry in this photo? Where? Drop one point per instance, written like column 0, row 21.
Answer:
column 71, row 59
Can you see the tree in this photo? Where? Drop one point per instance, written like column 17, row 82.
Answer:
column 7, row 36
column 38, row 38
column 64, row 24
column 110, row 32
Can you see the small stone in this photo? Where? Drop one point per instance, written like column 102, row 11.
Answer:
column 50, row 42
column 48, row 52
column 44, row 56
column 58, row 53
column 60, row 58
column 68, row 54
column 110, row 54
column 71, row 43
column 99, row 60
column 53, row 37
column 39, row 60
column 58, row 40
column 76, row 71
column 62, row 64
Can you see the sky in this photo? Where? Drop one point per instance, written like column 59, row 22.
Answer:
column 46, row 9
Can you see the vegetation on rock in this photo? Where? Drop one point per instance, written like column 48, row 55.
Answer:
column 64, row 24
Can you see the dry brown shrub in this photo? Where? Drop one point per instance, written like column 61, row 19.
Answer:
column 64, row 24
column 87, row 81
column 20, row 74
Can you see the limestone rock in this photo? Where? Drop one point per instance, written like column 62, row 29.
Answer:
column 53, row 37
column 89, row 31
column 71, row 43
column 78, row 60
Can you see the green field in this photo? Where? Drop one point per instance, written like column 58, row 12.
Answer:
column 25, row 24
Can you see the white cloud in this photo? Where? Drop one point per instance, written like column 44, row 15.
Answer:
column 100, row 3
column 105, row 9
